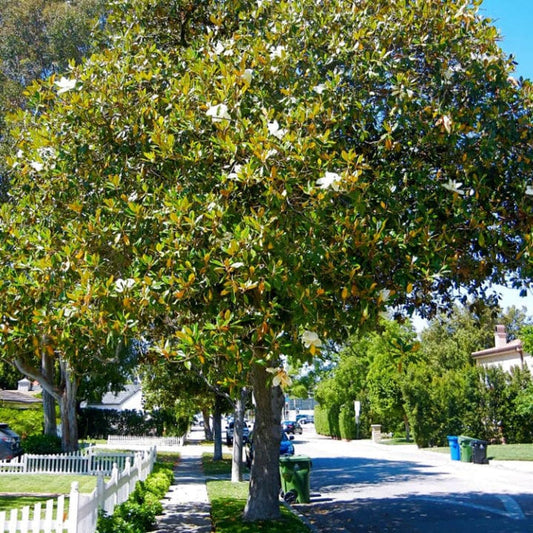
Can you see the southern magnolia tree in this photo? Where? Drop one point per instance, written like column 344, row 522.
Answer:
column 248, row 179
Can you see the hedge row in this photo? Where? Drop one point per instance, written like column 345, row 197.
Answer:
column 138, row 513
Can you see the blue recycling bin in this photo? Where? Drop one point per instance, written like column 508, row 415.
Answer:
column 455, row 449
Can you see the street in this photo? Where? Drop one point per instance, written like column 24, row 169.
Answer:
column 364, row 486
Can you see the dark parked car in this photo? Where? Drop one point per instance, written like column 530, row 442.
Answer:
column 286, row 447
column 230, row 429
column 9, row 443
column 305, row 419
column 291, row 426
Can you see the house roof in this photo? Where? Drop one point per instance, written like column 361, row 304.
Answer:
column 111, row 398
column 510, row 347
column 16, row 396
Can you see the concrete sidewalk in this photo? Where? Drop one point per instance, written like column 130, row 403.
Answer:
column 186, row 506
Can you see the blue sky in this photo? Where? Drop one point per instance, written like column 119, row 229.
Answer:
column 514, row 19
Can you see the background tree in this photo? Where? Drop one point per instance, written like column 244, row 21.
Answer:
column 391, row 351
column 251, row 179
column 38, row 38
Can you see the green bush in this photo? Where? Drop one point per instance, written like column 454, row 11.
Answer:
column 41, row 444
column 327, row 421
column 23, row 421
column 347, row 421
column 157, row 484
column 99, row 423
column 138, row 513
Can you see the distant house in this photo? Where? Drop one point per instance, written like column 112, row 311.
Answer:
column 23, row 398
column 504, row 354
column 131, row 398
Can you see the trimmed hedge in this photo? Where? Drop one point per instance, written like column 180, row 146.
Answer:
column 347, row 422
column 138, row 513
column 99, row 423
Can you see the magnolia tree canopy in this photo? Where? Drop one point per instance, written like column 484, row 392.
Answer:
column 242, row 180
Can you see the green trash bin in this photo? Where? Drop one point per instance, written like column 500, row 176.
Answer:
column 465, row 444
column 294, row 472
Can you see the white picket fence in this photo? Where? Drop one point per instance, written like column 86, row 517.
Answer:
column 91, row 461
column 160, row 442
column 82, row 513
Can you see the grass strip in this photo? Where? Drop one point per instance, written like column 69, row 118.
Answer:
column 227, row 504
column 228, row 500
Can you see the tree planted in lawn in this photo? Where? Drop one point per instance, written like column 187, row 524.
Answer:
column 255, row 178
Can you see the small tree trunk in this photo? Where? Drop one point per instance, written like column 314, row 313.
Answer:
column 263, row 497
column 217, row 428
column 69, row 423
column 407, row 428
column 207, row 425
column 236, row 463
column 49, row 403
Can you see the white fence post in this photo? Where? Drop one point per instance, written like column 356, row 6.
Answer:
column 74, row 506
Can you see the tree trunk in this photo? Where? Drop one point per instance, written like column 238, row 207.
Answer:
column 407, row 428
column 65, row 394
column 236, row 463
column 263, row 498
column 69, row 422
column 217, row 428
column 49, row 403
column 207, row 425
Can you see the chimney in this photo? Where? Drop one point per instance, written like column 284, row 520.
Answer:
column 500, row 336
column 24, row 385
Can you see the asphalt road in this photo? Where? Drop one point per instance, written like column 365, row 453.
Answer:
column 367, row 487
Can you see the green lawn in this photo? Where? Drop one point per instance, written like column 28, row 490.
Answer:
column 43, row 486
column 227, row 504
column 17, row 502
column 228, row 500
column 45, row 483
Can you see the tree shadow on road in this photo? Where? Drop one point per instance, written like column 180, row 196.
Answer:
column 436, row 513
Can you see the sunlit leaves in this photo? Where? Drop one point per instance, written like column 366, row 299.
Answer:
column 287, row 168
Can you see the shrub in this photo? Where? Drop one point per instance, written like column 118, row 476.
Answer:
column 138, row 513
column 23, row 421
column 157, row 484
column 347, row 422
column 327, row 421
column 41, row 444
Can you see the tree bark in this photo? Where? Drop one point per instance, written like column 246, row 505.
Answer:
column 217, row 428
column 69, row 422
column 49, row 403
column 263, row 497
column 207, row 425
column 236, row 463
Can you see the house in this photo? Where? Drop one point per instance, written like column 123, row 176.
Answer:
column 131, row 398
column 504, row 354
column 24, row 397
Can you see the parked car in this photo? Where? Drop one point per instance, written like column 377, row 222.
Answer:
column 286, row 447
column 9, row 443
column 305, row 419
column 230, row 430
column 291, row 426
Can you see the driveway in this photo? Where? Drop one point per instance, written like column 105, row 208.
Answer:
column 364, row 486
